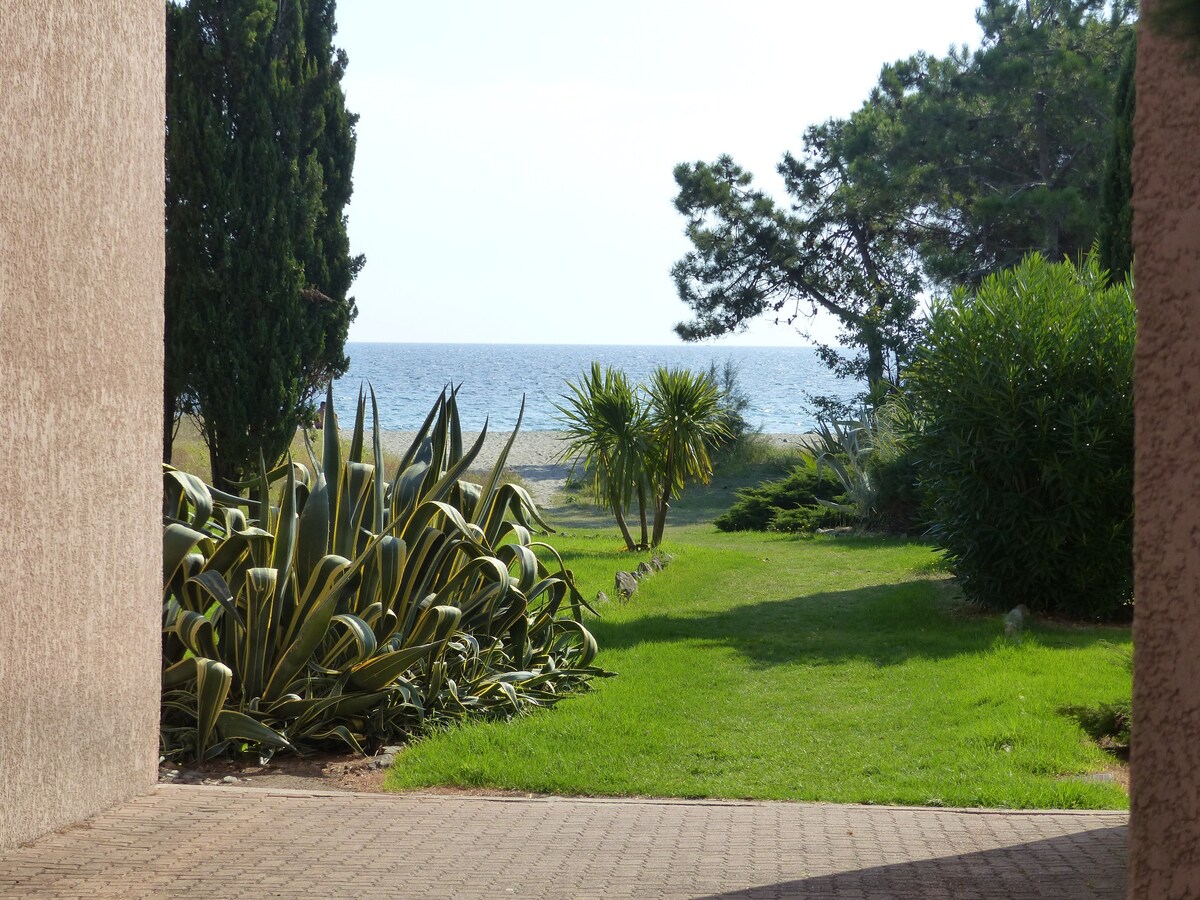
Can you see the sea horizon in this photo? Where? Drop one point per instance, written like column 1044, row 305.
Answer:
column 581, row 344
column 407, row 377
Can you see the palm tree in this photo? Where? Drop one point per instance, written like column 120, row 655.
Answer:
column 608, row 428
column 686, row 418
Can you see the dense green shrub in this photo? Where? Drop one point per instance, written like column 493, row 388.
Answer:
column 1024, row 390
column 899, row 498
column 332, row 606
column 787, row 504
column 1108, row 724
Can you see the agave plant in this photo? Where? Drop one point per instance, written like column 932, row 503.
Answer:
column 331, row 605
column 845, row 446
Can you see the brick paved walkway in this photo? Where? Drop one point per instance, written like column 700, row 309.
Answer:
column 189, row 841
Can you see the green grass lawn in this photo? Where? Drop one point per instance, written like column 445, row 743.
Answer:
column 774, row 667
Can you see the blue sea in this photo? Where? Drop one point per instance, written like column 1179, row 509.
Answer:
column 408, row 377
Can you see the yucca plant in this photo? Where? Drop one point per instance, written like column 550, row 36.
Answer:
column 643, row 442
column 608, row 429
column 331, row 605
column 686, row 420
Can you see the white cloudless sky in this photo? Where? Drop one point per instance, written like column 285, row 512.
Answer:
column 513, row 174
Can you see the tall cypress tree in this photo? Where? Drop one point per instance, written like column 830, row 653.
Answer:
column 1116, row 195
column 259, row 154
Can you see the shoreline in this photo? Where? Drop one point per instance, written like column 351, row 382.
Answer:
column 536, row 456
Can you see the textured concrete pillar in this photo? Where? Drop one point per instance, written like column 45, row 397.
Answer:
column 1165, row 835
column 81, row 267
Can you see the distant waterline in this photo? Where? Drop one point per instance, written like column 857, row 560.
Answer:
column 408, row 377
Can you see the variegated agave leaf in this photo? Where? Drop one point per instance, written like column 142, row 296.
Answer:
column 334, row 606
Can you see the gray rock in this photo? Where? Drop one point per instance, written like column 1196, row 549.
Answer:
column 1015, row 620
column 644, row 569
column 229, row 779
column 601, row 597
column 625, row 584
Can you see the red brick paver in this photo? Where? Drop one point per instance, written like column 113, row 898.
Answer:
column 210, row 842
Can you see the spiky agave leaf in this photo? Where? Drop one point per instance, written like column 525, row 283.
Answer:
column 437, row 607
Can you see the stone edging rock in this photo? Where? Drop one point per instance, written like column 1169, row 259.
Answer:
column 625, row 584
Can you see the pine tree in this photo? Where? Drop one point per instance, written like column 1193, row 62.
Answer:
column 1004, row 146
column 954, row 168
column 259, row 154
column 834, row 246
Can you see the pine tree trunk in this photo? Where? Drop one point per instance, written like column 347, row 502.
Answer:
column 875, row 366
column 1050, row 224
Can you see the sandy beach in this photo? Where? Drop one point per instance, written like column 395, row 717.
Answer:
column 535, row 455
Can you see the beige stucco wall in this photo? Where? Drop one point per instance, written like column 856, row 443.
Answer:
column 81, row 263
column 1165, row 833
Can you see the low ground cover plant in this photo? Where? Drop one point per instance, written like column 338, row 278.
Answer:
column 788, row 504
column 861, row 471
column 332, row 606
column 1024, row 389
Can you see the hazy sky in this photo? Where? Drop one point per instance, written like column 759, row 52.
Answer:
column 513, row 179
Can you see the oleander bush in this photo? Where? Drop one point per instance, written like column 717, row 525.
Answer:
column 332, row 606
column 1024, row 389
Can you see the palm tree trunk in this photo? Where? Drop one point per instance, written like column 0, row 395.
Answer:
column 615, row 502
column 663, row 503
column 641, row 491
column 660, row 516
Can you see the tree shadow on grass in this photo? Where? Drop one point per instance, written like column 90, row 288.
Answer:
column 1090, row 864
column 885, row 624
column 568, row 516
